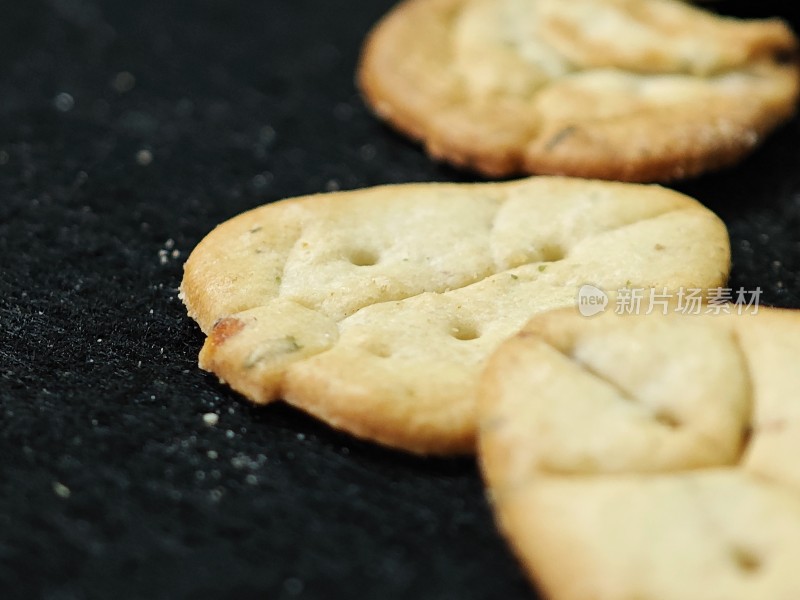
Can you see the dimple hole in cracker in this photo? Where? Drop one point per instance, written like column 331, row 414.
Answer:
column 745, row 560
column 363, row 257
column 668, row 419
column 464, row 331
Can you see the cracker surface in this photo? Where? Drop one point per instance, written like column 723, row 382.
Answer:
column 649, row 457
column 376, row 309
column 634, row 90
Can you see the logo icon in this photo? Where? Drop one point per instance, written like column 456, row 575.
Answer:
column 591, row 300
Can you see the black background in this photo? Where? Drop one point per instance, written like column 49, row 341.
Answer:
column 237, row 104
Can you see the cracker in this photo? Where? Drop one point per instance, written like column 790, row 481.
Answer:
column 635, row 90
column 650, row 457
column 375, row 309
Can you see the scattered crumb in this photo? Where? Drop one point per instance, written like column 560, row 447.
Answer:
column 64, row 102
column 210, row 419
column 61, row 490
column 168, row 251
column 240, row 461
column 144, row 157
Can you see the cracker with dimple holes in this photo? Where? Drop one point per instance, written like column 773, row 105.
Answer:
column 375, row 309
column 650, row 457
column 634, row 90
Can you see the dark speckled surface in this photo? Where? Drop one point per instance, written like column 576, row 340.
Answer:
column 127, row 131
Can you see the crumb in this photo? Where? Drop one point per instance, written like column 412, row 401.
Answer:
column 144, row 157
column 61, row 490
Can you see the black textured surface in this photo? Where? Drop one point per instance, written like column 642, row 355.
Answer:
column 110, row 483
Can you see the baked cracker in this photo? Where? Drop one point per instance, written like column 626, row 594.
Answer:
column 649, row 456
column 375, row 310
column 633, row 90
